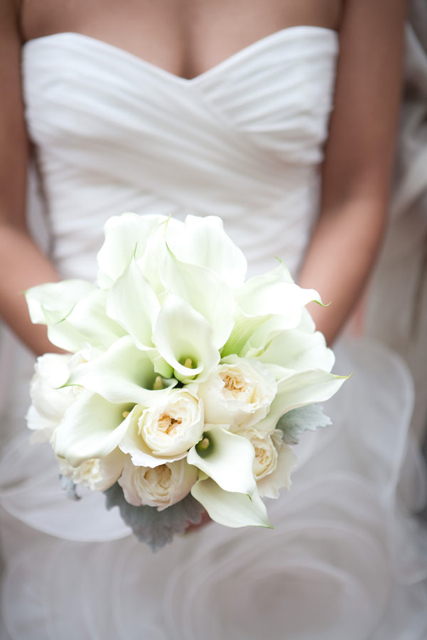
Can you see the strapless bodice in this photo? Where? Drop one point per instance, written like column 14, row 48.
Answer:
column 242, row 140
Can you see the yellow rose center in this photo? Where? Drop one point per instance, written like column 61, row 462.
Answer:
column 232, row 383
column 168, row 424
column 261, row 456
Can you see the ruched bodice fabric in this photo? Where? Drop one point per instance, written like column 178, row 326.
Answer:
column 243, row 141
column 116, row 133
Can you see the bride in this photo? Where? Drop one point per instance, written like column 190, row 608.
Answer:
column 212, row 108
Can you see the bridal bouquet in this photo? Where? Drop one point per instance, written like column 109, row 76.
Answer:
column 185, row 385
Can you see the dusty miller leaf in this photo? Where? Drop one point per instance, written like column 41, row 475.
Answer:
column 69, row 487
column 295, row 422
column 156, row 528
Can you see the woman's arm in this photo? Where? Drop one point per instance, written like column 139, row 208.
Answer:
column 358, row 160
column 22, row 264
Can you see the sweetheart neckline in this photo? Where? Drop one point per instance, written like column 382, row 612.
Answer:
column 232, row 59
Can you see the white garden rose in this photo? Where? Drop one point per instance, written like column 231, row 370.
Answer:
column 160, row 487
column 279, row 477
column 164, row 432
column 98, row 474
column 49, row 403
column 265, row 461
column 173, row 426
column 238, row 393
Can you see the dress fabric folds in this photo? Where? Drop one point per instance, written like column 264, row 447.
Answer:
column 243, row 141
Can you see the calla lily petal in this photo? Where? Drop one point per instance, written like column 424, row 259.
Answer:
column 228, row 460
column 275, row 293
column 204, row 242
column 244, row 328
column 230, row 509
column 133, row 304
column 55, row 298
column 205, row 291
column 298, row 390
column 121, row 374
column 125, row 236
column 87, row 322
column 156, row 253
column 184, row 338
column 91, row 428
column 300, row 351
column 89, row 318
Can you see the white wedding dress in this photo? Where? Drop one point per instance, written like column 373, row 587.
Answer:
column 113, row 133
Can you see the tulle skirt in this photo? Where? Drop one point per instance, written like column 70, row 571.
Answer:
column 346, row 558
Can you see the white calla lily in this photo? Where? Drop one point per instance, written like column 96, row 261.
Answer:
column 123, row 373
column 205, row 291
column 226, row 458
column 56, row 299
column 299, row 350
column 91, row 428
column 230, row 509
column 133, row 304
column 203, row 242
column 275, row 293
column 74, row 311
column 262, row 337
column 156, row 253
column 299, row 389
column 267, row 305
column 184, row 338
column 244, row 328
column 90, row 319
column 87, row 322
column 125, row 236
